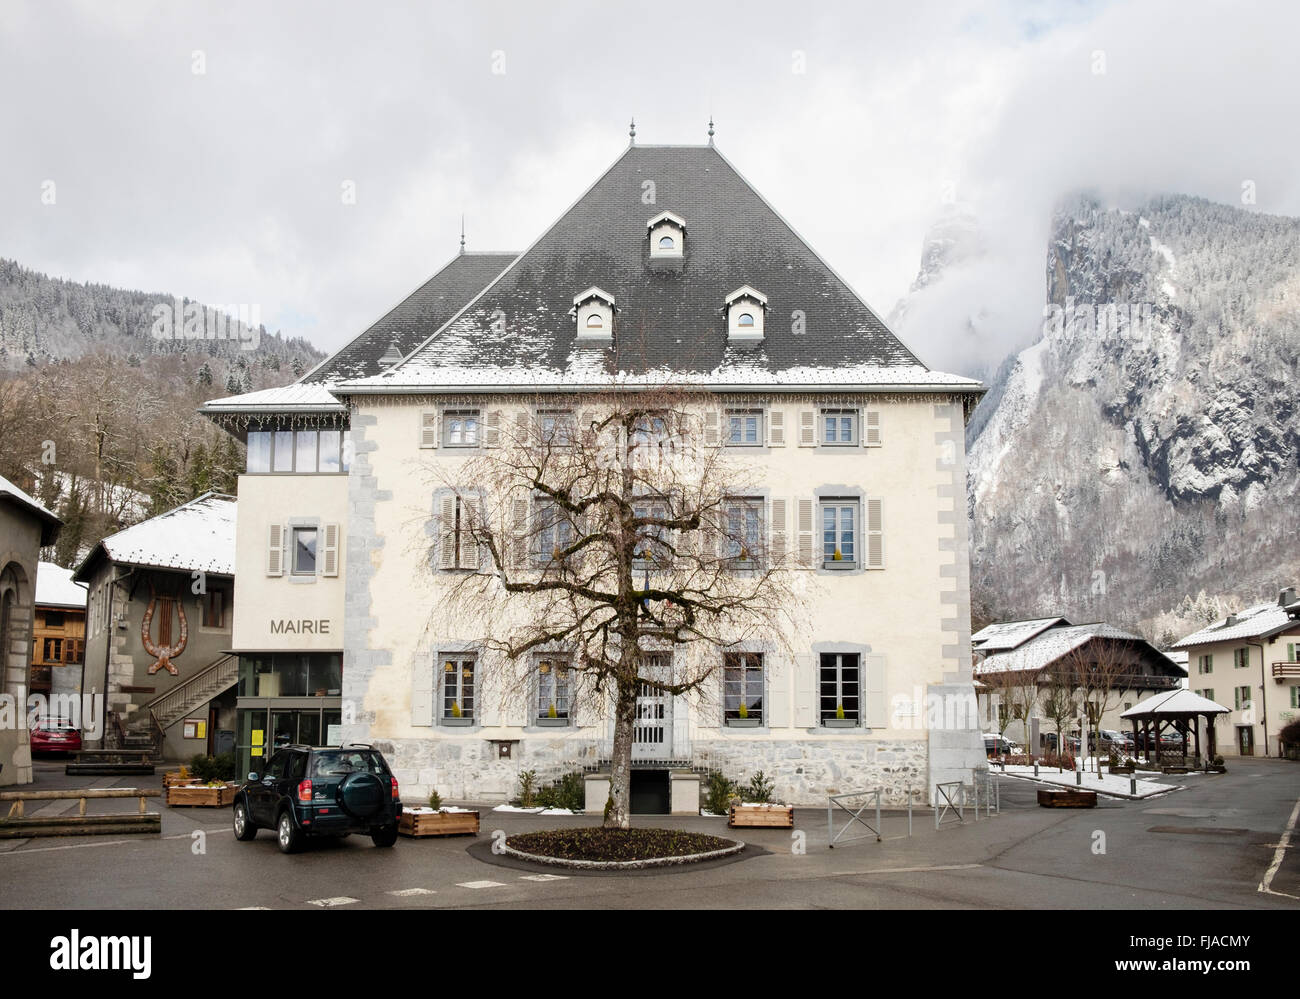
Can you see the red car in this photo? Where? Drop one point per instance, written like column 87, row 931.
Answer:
column 55, row 737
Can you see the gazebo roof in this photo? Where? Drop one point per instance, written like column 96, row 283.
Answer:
column 1173, row 704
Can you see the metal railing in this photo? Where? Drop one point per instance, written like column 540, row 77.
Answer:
column 854, row 816
column 170, row 707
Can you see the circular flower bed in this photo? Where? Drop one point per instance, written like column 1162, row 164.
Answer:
column 599, row 847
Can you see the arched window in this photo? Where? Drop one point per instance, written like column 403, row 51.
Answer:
column 594, row 322
column 745, row 319
column 666, row 243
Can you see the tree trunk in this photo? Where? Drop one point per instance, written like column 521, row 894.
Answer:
column 619, row 813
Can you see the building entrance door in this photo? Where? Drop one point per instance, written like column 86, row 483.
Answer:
column 652, row 728
column 1246, row 740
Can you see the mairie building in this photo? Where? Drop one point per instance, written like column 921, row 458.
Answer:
column 669, row 270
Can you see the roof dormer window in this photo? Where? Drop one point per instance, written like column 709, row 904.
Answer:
column 667, row 241
column 593, row 310
column 745, row 310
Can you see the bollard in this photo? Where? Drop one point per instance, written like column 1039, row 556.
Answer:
column 1133, row 786
column 1078, row 778
column 1035, row 768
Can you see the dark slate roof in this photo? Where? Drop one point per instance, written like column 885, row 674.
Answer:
column 666, row 322
column 409, row 323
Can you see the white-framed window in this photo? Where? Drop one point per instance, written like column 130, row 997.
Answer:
column 303, row 551
column 460, row 428
column 840, row 687
column 839, row 427
column 650, row 433
column 742, row 687
column 456, row 673
column 1241, row 697
column 1205, row 663
column 552, row 531
column 667, row 243
column 554, row 690
column 742, row 528
column 1240, row 658
column 839, row 520
column 557, row 427
column 653, row 543
column 744, row 428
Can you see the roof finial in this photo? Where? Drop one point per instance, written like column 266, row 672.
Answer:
column 462, row 232
column 631, row 133
column 710, row 130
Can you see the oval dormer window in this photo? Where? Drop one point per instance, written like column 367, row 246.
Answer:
column 746, row 319
column 594, row 322
column 666, row 243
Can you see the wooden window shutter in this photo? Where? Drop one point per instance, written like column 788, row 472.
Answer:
column 331, row 555
column 429, row 429
column 807, row 428
column 875, row 535
column 519, row 534
column 871, row 428
column 522, row 437
column 776, row 428
column 805, row 528
column 275, row 551
column 805, row 691
column 876, row 707
column 468, row 551
column 779, row 542
column 422, row 691
column 778, row 672
column 711, row 428
column 447, row 535
column 492, row 429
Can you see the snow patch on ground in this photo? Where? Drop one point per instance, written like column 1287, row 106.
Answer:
column 1115, row 784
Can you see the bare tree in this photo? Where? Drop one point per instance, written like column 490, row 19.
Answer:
column 1059, row 704
column 1100, row 670
column 612, row 529
column 1017, row 695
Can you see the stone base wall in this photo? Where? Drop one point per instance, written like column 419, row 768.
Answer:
column 806, row 772
column 16, row 757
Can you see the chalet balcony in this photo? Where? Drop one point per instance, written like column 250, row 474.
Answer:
column 1286, row 671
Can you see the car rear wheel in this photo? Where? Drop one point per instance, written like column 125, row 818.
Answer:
column 384, row 835
column 244, row 828
column 286, row 834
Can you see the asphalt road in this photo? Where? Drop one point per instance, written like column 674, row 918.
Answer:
column 1208, row 845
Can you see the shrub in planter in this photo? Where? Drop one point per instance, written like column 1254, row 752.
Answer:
column 435, row 800
column 721, row 789
column 760, row 789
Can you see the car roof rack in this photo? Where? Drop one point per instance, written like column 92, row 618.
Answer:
column 358, row 745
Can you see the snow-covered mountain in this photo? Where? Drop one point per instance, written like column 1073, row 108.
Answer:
column 1144, row 448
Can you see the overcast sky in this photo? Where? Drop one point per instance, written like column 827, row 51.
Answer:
column 202, row 149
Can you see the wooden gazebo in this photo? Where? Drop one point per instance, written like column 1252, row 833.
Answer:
column 1180, row 709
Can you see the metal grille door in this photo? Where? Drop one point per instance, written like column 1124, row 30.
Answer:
column 652, row 729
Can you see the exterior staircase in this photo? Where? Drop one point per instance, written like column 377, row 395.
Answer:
column 147, row 729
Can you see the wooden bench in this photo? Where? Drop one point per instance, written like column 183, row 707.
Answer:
column 110, row 762
column 18, row 825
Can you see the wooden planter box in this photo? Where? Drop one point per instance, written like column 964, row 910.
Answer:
column 749, row 816
column 1212, row 769
column 438, row 823
column 1121, row 770
column 201, row 797
column 1067, row 798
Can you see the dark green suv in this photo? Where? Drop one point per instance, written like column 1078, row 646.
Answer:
column 320, row 791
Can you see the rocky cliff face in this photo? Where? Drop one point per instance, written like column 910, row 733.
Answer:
column 1144, row 448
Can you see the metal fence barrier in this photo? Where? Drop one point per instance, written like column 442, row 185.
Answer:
column 837, row 801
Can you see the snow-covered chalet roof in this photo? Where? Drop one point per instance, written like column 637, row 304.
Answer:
column 1052, row 644
column 55, row 588
column 1253, row 622
column 299, row 397
column 199, row 535
column 1010, row 634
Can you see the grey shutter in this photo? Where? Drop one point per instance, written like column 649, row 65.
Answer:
column 777, row 674
column 875, row 535
column 522, row 437
column 447, row 534
column 275, row 551
column 711, row 419
column 875, row 706
column 871, row 428
column 492, row 429
column 805, row 691
column 776, row 428
column 422, row 691
column 429, row 429
column 807, row 428
column 330, row 561
column 805, row 532
column 519, row 534
column 467, row 556
column 779, row 542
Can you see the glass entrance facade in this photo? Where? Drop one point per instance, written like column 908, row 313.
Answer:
column 285, row 698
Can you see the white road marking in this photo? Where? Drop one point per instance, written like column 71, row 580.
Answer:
column 329, row 903
column 254, row 908
column 908, row 870
column 480, row 884
column 404, row 892
column 70, row 846
column 1282, row 846
column 545, row 877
